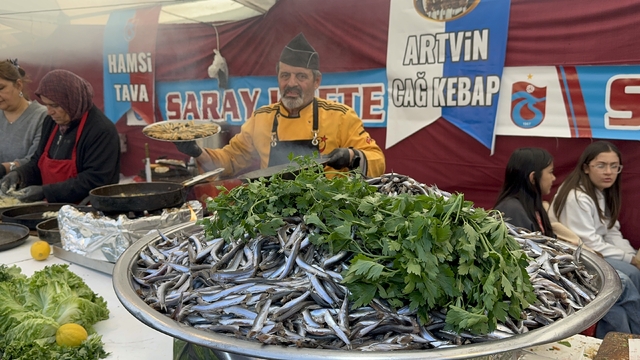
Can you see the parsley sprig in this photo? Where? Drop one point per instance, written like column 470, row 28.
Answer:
column 428, row 252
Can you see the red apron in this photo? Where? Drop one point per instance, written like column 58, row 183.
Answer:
column 53, row 170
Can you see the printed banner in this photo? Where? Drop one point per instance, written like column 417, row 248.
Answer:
column 445, row 59
column 129, row 77
column 600, row 102
column 364, row 91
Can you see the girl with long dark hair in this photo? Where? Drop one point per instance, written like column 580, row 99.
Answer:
column 527, row 178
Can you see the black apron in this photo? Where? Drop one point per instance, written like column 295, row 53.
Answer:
column 280, row 150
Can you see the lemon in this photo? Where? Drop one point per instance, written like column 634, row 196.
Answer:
column 40, row 250
column 71, row 335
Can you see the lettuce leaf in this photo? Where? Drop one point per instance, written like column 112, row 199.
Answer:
column 91, row 349
column 32, row 309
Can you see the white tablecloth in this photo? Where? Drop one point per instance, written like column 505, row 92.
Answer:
column 124, row 336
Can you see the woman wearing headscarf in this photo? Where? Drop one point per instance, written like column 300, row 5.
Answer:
column 20, row 118
column 79, row 148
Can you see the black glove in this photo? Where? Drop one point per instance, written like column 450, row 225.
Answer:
column 10, row 181
column 30, row 194
column 339, row 158
column 189, row 148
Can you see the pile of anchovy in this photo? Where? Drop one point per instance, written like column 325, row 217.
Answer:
column 393, row 184
column 284, row 290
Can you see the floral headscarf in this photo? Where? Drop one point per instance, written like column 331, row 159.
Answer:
column 71, row 92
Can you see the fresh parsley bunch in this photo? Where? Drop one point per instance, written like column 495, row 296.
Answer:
column 428, row 252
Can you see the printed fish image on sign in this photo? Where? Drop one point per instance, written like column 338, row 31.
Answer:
column 444, row 10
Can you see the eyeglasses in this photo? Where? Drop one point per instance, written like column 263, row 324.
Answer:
column 616, row 168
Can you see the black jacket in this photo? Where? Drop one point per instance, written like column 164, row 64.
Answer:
column 515, row 214
column 97, row 158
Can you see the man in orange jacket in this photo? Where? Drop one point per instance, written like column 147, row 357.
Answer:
column 299, row 123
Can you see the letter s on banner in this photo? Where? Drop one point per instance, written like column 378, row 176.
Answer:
column 622, row 101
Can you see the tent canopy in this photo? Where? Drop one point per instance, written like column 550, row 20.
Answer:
column 27, row 21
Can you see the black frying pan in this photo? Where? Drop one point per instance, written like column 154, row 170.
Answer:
column 29, row 215
column 12, row 235
column 48, row 231
column 138, row 197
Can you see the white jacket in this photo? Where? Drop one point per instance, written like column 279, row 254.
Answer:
column 580, row 215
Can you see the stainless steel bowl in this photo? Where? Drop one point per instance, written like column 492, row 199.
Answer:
column 237, row 349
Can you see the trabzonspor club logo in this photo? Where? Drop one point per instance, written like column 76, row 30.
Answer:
column 130, row 29
column 444, row 10
column 528, row 103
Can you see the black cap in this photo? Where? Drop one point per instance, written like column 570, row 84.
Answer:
column 300, row 53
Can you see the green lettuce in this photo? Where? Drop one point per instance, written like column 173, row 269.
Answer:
column 32, row 309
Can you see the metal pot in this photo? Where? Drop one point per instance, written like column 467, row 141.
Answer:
column 138, row 197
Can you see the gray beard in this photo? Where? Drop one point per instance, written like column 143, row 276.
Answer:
column 291, row 104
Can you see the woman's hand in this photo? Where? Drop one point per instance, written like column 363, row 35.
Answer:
column 30, row 194
column 10, row 181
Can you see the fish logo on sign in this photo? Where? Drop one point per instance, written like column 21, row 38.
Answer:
column 528, row 104
column 444, row 10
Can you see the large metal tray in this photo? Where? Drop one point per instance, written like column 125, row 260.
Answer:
column 232, row 348
column 194, row 123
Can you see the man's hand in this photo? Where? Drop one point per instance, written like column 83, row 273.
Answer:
column 340, row 158
column 189, row 148
column 10, row 181
column 30, row 194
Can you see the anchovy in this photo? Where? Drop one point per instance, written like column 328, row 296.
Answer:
column 240, row 311
column 284, row 290
column 178, row 267
column 226, row 276
column 211, row 297
column 220, row 304
column 293, row 254
column 258, row 322
column 162, row 292
column 227, row 257
column 291, row 304
column 319, row 289
column 336, row 329
column 156, row 253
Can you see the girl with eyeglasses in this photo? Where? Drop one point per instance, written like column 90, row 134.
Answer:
column 588, row 203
